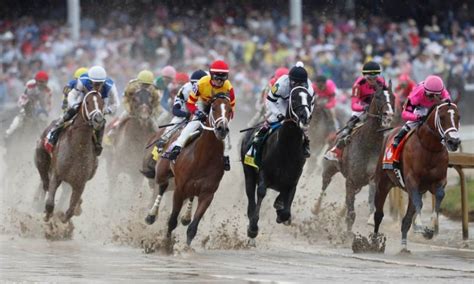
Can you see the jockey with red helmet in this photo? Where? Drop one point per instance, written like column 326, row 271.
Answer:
column 180, row 111
column 36, row 98
column 404, row 87
column 421, row 99
column 362, row 91
column 260, row 103
column 204, row 90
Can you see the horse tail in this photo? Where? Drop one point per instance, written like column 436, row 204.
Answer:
column 148, row 173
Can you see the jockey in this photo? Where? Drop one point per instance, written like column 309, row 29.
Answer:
column 180, row 110
column 144, row 81
column 71, row 85
column 277, row 101
column 97, row 80
column 37, row 95
column 403, row 89
column 215, row 83
column 325, row 90
column 362, row 91
column 162, row 83
column 421, row 99
column 260, row 104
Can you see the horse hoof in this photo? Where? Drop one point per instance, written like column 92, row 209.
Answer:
column 428, row 233
column 287, row 222
column 278, row 204
column 185, row 221
column 405, row 251
column 283, row 217
column 46, row 217
column 252, row 243
column 252, row 233
column 49, row 208
column 150, row 219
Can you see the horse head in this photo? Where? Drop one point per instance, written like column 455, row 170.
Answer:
column 142, row 104
column 299, row 108
column 381, row 106
column 220, row 114
column 92, row 109
column 444, row 117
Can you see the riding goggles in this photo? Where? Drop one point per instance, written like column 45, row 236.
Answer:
column 371, row 76
column 432, row 94
column 219, row 76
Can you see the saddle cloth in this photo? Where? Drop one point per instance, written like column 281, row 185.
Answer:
column 253, row 157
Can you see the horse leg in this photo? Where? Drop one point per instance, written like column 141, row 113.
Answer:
column 252, row 230
column 417, row 199
column 439, row 195
column 382, row 188
column 250, row 183
column 177, row 204
column 371, row 202
column 406, row 224
column 74, row 201
column 350, row 200
column 186, row 218
column 204, row 201
column 284, row 215
column 151, row 217
column 329, row 170
column 49, row 205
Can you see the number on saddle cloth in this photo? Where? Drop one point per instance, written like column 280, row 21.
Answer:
column 253, row 157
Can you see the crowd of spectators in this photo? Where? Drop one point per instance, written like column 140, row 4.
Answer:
column 253, row 40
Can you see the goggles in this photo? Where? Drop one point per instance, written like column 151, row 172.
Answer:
column 371, row 76
column 431, row 94
column 219, row 76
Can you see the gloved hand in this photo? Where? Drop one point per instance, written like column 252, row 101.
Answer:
column 200, row 115
column 280, row 117
column 366, row 108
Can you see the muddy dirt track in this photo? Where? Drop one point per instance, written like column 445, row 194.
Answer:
column 110, row 238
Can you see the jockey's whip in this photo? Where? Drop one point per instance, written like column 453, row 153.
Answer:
column 247, row 129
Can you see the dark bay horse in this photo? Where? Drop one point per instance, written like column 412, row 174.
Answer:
column 424, row 165
column 130, row 140
column 199, row 168
column 360, row 156
column 282, row 162
column 73, row 159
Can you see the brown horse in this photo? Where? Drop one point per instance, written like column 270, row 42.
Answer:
column 130, row 139
column 359, row 158
column 73, row 159
column 199, row 168
column 424, row 165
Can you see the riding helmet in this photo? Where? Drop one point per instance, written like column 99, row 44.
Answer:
column 298, row 73
column 371, row 68
column 198, row 74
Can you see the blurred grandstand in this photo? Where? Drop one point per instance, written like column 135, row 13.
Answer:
column 338, row 36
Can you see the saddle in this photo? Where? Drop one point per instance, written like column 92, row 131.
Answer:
column 391, row 157
column 253, row 157
column 156, row 154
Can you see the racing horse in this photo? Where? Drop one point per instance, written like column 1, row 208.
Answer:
column 73, row 159
column 199, row 168
column 281, row 163
column 423, row 167
column 360, row 156
column 130, row 139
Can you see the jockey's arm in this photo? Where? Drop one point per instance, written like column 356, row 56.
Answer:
column 355, row 100
column 274, row 104
column 74, row 97
column 179, row 105
column 112, row 100
column 408, row 112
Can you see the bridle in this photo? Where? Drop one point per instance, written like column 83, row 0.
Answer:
column 215, row 121
column 293, row 116
column 90, row 115
column 379, row 115
column 437, row 122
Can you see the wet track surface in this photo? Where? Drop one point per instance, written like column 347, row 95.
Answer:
column 108, row 238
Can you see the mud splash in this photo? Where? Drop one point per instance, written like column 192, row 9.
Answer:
column 375, row 243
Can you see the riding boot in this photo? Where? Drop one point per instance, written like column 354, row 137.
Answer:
column 173, row 154
column 53, row 134
column 260, row 134
column 306, row 150
column 99, row 134
column 396, row 140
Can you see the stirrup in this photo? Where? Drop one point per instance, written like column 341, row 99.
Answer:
column 226, row 163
